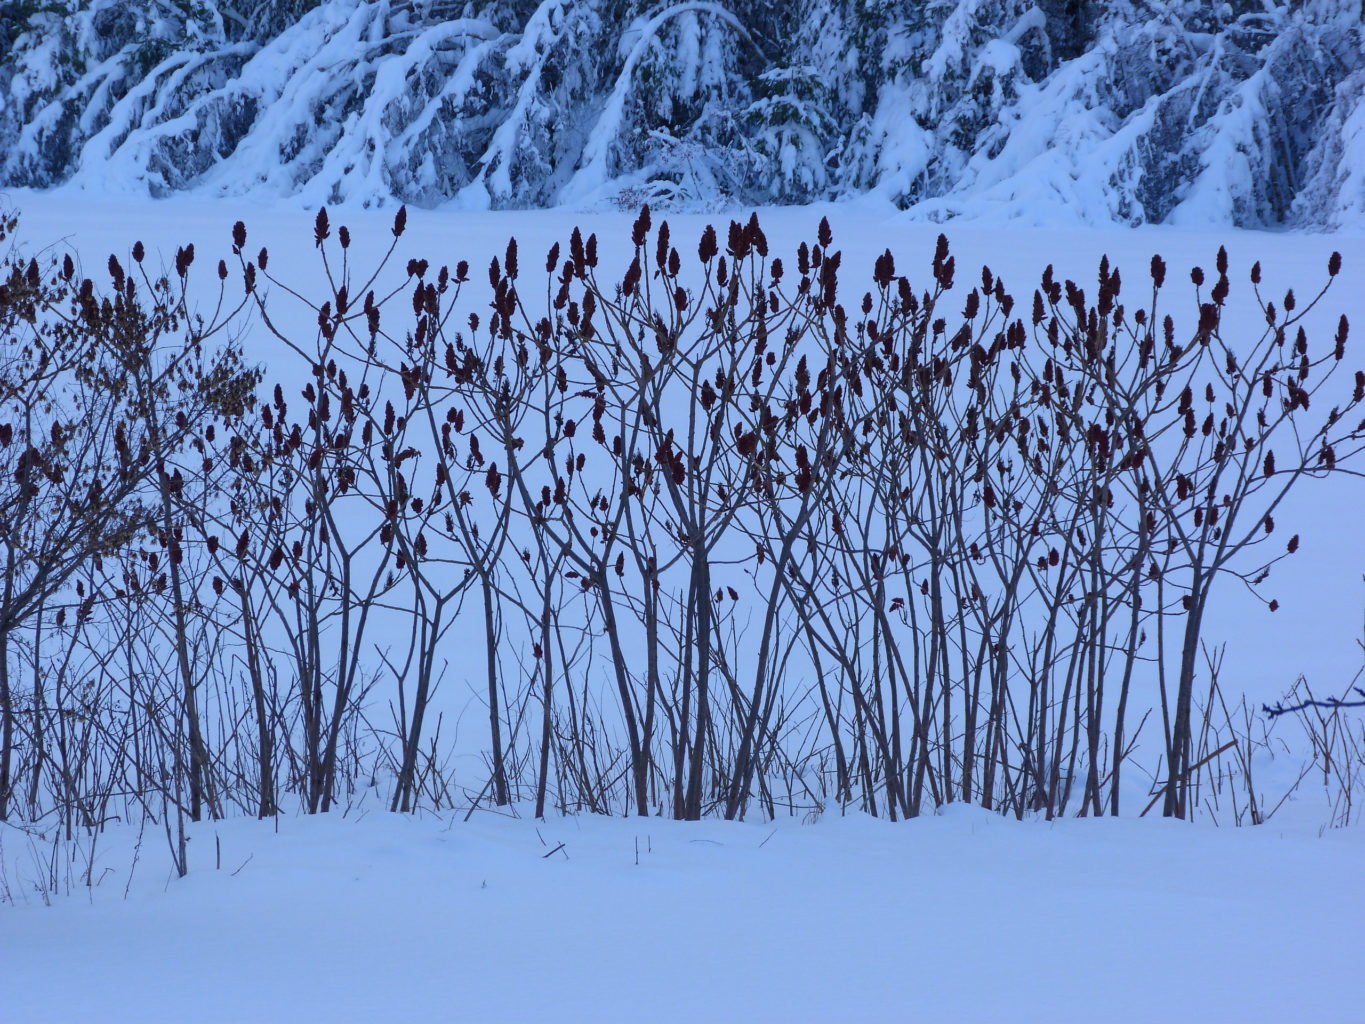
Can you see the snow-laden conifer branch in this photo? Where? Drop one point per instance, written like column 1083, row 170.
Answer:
column 1122, row 112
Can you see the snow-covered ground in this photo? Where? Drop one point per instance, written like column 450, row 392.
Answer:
column 961, row 916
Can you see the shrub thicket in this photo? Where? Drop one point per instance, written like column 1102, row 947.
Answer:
column 721, row 535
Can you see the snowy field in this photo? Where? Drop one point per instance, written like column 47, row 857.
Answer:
column 961, row 916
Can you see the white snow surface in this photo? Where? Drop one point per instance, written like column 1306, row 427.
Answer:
column 954, row 918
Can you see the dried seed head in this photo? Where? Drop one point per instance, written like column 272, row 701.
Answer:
column 641, row 227
column 756, row 236
column 708, row 246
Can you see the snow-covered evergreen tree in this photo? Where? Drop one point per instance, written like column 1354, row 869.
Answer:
column 1130, row 111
